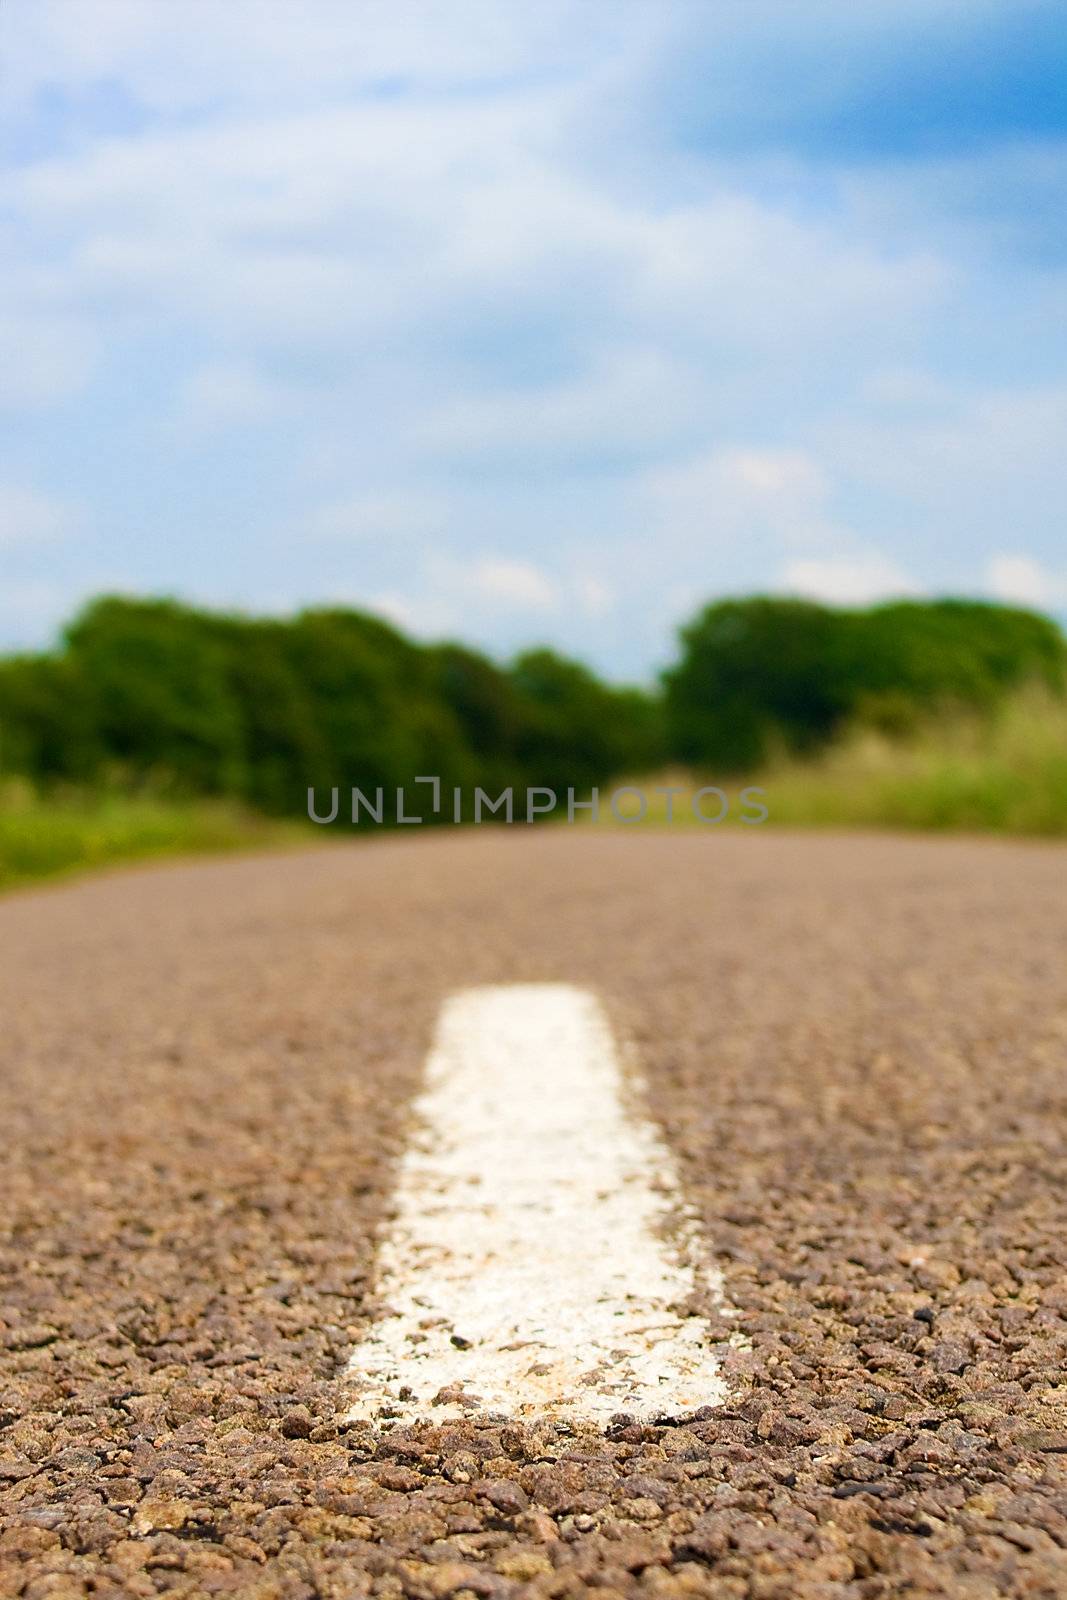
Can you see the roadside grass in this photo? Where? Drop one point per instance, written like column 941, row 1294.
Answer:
column 1003, row 774
column 46, row 836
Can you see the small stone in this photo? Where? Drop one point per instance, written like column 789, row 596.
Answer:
column 523, row 1565
column 152, row 1515
column 950, row 1355
column 1050, row 1440
column 297, row 1423
column 506, row 1496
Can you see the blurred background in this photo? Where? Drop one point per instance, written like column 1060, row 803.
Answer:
column 544, row 395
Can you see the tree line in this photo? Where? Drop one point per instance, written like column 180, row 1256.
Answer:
column 151, row 691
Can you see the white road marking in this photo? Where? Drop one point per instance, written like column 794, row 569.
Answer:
column 527, row 1273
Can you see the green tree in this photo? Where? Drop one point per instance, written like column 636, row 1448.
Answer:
column 754, row 672
column 575, row 731
column 760, row 673
column 156, row 673
column 48, row 727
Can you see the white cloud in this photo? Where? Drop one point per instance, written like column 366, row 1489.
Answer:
column 848, row 580
column 490, row 598
column 29, row 518
column 630, row 402
column 230, row 394
column 1021, row 580
column 422, row 616
column 518, row 585
column 984, row 456
column 764, row 282
column 250, row 51
column 43, row 359
column 339, row 222
column 743, row 493
column 396, row 514
column 595, row 597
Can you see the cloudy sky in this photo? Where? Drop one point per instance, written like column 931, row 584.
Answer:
column 531, row 322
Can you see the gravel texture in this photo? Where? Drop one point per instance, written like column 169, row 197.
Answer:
column 857, row 1049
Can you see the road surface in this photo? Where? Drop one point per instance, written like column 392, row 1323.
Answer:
column 855, row 1051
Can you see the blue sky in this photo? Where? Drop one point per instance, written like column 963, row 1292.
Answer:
column 531, row 323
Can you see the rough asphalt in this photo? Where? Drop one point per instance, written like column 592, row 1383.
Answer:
column 857, row 1048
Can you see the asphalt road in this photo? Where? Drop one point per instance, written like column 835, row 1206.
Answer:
column 856, row 1049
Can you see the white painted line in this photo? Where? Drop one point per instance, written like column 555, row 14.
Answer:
column 527, row 1273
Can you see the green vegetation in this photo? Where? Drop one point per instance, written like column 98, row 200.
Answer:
column 761, row 676
column 45, row 836
column 1002, row 773
column 1006, row 773
column 155, row 727
column 149, row 691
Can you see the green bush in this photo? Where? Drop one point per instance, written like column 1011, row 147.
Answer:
column 155, row 675
column 1005, row 772
column 151, row 697
column 151, row 692
column 765, row 675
